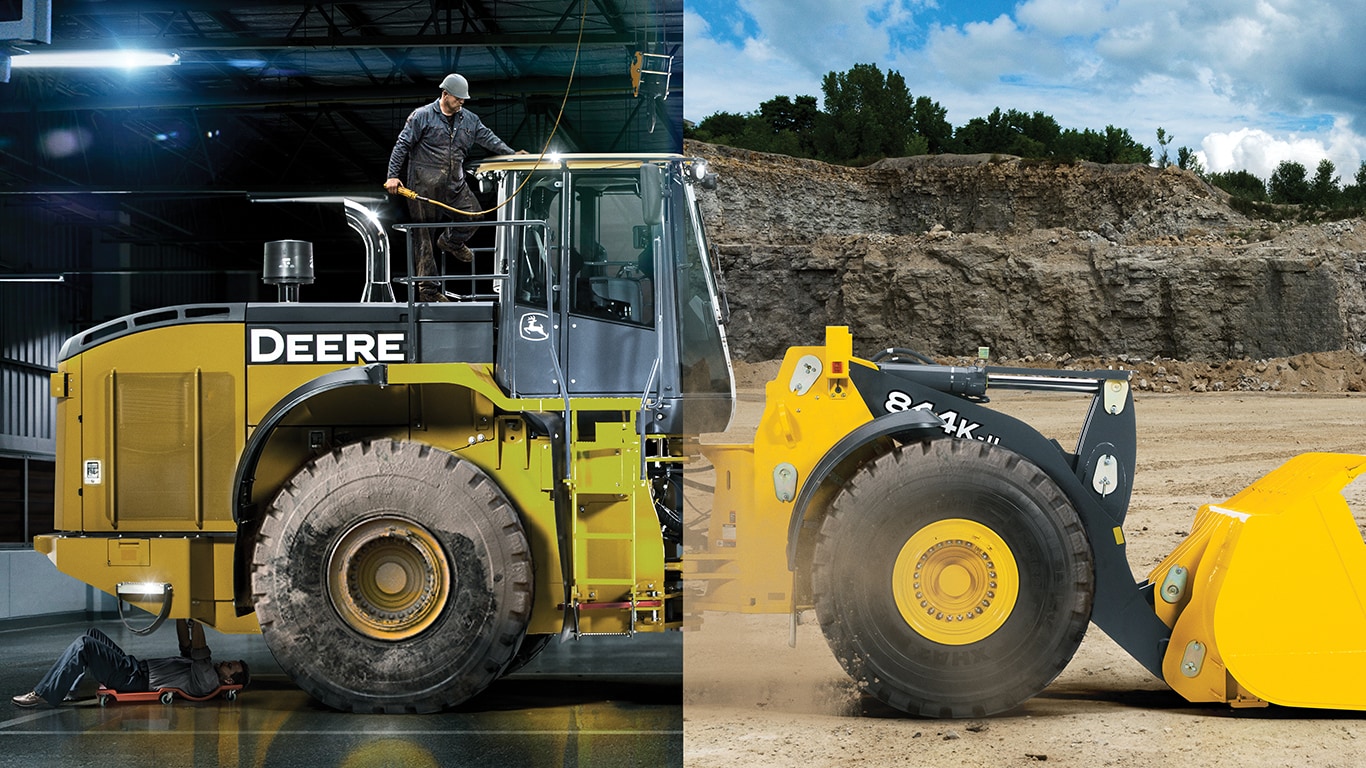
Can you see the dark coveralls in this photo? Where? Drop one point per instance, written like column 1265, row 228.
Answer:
column 433, row 146
column 96, row 655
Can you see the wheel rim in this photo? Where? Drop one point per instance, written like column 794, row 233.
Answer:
column 388, row 578
column 955, row 581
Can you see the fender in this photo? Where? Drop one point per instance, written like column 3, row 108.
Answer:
column 903, row 425
column 243, row 510
column 376, row 375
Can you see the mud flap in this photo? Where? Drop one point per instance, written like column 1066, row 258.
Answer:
column 1267, row 595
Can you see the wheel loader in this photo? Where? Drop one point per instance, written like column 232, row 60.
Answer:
column 410, row 499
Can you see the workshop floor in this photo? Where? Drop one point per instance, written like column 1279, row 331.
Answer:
column 600, row 701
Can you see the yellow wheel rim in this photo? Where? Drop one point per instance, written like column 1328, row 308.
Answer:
column 955, row 582
column 388, row 578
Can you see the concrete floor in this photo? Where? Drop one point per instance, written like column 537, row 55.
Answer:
column 600, row 701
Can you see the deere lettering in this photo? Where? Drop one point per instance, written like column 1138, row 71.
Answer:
column 267, row 345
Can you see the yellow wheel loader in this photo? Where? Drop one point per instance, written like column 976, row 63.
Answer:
column 411, row 499
column 954, row 556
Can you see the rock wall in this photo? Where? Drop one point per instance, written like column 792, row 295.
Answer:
column 946, row 254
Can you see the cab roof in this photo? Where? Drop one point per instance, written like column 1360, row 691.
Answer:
column 578, row 160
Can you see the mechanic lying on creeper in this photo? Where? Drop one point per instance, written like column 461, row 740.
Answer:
column 94, row 654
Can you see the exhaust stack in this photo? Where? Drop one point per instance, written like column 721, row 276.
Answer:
column 371, row 231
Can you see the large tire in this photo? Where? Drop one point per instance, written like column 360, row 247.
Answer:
column 392, row 577
column 531, row 648
column 952, row 579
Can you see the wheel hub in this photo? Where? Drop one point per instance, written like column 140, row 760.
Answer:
column 955, row 581
column 388, row 578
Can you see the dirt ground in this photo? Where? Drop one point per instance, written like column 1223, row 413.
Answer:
column 750, row 700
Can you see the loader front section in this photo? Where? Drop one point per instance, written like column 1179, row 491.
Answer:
column 953, row 555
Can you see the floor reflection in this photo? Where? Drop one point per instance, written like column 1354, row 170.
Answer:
column 597, row 701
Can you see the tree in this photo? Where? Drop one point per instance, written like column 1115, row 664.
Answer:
column 1163, row 139
column 1289, row 183
column 1323, row 190
column 1187, row 161
column 870, row 115
column 1355, row 194
column 1240, row 184
column 783, row 114
column 1012, row 132
column 721, row 127
column 931, row 123
column 1120, row 147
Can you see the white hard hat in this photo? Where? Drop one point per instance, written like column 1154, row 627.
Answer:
column 456, row 86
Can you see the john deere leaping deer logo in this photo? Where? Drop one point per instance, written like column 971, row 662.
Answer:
column 535, row 326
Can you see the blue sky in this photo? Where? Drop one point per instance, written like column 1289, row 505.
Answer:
column 1245, row 83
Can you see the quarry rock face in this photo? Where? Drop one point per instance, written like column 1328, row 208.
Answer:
column 946, row 254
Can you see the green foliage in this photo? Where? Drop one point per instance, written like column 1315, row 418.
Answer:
column 721, row 128
column 931, row 123
column 1240, row 184
column 1163, row 139
column 869, row 114
column 1290, row 193
column 1012, row 132
column 1289, row 183
column 1187, row 161
column 1323, row 189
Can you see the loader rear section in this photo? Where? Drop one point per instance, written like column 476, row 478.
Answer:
column 410, row 500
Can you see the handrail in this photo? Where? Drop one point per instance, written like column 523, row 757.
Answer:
column 410, row 280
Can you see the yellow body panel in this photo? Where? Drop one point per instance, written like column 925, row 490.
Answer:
column 200, row 570
column 1274, row 609
column 810, row 406
column 165, row 405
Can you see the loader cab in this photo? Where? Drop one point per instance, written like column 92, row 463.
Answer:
column 611, row 289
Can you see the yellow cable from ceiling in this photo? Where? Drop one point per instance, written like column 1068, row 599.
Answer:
column 578, row 45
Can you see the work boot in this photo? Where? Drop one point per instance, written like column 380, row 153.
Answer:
column 430, row 293
column 30, row 699
column 460, row 251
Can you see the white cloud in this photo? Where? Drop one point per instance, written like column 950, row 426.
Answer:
column 1259, row 152
column 720, row 77
column 820, row 36
column 980, row 54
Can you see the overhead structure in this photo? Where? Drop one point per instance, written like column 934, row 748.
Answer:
column 289, row 98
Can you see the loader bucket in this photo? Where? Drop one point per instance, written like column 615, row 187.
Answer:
column 1271, row 604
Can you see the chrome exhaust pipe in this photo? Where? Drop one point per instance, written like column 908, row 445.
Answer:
column 371, row 231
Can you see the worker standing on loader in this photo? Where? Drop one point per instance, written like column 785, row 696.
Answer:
column 433, row 144
column 93, row 653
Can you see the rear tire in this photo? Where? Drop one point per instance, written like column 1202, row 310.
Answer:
column 952, row 579
column 392, row 577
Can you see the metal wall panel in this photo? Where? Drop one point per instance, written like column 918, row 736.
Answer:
column 35, row 318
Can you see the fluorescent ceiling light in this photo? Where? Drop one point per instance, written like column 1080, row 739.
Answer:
column 94, row 59
column 32, row 278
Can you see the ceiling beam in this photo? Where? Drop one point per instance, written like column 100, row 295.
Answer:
column 334, row 42
column 405, row 96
